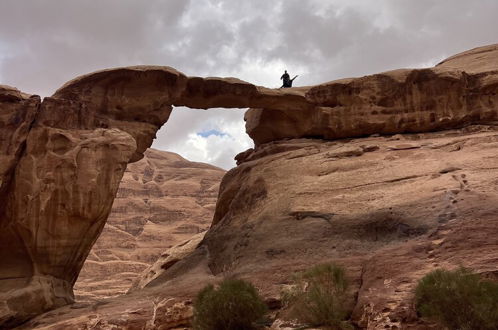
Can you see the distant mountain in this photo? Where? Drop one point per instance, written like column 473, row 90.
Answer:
column 162, row 201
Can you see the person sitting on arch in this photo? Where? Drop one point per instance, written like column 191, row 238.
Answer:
column 287, row 82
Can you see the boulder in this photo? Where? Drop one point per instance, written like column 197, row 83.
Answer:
column 167, row 259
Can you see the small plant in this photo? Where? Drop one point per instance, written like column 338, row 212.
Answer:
column 233, row 305
column 458, row 300
column 319, row 297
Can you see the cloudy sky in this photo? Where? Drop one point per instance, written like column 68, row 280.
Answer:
column 44, row 43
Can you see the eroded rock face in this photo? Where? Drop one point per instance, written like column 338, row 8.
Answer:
column 167, row 259
column 474, row 61
column 59, row 198
column 63, row 168
column 17, row 112
column 148, row 312
column 389, row 209
column 58, row 189
column 162, row 201
column 458, row 92
column 62, row 192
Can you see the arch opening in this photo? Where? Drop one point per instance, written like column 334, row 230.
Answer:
column 213, row 137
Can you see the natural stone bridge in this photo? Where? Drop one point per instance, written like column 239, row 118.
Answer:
column 62, row 159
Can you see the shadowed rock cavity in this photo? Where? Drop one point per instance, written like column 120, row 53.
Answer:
column 62, row 159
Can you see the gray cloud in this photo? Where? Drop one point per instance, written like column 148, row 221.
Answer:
column 49, row 42
column 44, row 43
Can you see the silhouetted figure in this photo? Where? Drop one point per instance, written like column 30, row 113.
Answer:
column 287, row 80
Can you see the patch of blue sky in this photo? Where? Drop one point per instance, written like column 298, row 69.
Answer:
column 210, row 132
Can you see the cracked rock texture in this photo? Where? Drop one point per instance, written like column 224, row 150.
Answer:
column 162, row 201
column 315, row 188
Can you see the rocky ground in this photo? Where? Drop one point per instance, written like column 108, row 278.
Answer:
column 162, row 201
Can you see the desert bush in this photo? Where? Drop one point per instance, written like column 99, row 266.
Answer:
column 458, row 299
column 319, row 297
column 233, row 305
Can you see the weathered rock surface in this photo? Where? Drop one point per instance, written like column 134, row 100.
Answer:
column 17, row 112
column 59, row 199
column 59, row 188
column 458, row 92
column 162, row 201
column 151, row 311
column 389, row 209
column 167, row 260
column 477, row 60
column 325, row 208
column 109, row 89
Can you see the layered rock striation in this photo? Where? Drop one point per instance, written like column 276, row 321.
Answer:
column 162, row 201
column 70, row 152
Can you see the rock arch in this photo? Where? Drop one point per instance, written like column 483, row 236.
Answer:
column 66, row 158
column 62, row 159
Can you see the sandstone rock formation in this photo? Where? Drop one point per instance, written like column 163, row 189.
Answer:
column 389, row 209
column 17, row 112
column 57, row 202
column 162, row 201
column 167, row 260
column 354, row 202
column 459, row 91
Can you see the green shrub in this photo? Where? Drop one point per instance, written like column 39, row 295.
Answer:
column 234, row 305
column 458, row 300
column 319, row 297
